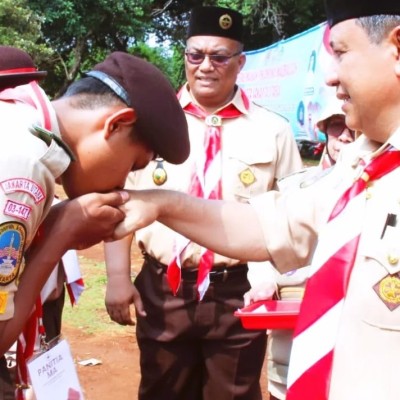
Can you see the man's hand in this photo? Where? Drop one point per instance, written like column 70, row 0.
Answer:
column 86, row 220
column 120, row 294
column 263, row 291
column 141, row 210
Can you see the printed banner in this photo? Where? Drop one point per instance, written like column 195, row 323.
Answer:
column 288, row 77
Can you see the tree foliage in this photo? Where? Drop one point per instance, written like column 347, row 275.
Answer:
column 67, row 37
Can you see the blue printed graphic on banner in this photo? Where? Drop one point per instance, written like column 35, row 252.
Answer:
column 288, row 77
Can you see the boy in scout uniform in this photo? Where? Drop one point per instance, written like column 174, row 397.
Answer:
column 103, row 120
column 346, row 224
column 192, row 347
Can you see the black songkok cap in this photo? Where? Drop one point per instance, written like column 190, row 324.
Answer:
column 216, row 21
column 161, row 122
column 341, row 10
column 17, row 68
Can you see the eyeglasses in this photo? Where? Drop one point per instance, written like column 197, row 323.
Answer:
column 217, row 60
column 336, row 128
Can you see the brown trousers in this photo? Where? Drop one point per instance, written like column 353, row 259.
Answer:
column 192, row 350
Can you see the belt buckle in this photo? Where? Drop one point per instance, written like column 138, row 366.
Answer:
column 225, row 275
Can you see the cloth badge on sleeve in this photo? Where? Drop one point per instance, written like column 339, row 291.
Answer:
column 12, row 241
column 3, row 302
column 17, row 210
column 24, row 185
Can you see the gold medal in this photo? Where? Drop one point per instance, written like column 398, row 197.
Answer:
column 388, row 290
column 159, row 174
column 247, row 177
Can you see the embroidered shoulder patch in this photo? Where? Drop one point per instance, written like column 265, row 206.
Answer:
column 12, row 242
column 24, row 185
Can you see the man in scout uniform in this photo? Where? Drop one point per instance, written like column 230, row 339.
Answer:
column 291, row 285
column 88, row 141
column 192, row 347
column 346, row 342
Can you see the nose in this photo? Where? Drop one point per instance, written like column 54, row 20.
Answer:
column 206, row 64
column 346, row 136
column 331, row 77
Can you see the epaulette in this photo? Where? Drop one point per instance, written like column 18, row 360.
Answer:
column 270, row 110
column 302, row 178
column 48, row 137
column 315, row 177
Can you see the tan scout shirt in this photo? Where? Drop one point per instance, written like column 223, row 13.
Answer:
column 258, row 148
column 28, row 169
column 367, row 349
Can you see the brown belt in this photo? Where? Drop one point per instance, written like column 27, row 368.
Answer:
column 218, row 274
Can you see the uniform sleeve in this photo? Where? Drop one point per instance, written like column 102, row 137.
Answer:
column 291, row 222
column 289, row 159
column 23, row 199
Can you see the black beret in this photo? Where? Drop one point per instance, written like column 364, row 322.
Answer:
column 17, row 68
column 341, row 10
column 216, row 21
column 161, row 122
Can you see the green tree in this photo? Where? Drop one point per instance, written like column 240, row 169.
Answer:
column 81, row 32
column 21, row 27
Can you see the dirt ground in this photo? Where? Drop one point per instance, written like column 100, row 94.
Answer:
column 118, row 376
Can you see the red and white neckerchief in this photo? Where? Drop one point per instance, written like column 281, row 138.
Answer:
column 33, row 95
column 312, row 357
column 206, row 183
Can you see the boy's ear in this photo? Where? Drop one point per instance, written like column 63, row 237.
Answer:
column 121, row 118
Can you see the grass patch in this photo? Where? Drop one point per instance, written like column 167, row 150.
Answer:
column 310, row 163
column 90, row 313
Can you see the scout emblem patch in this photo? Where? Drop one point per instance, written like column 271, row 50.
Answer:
column 159, row 174
column 247, row 177
column 388, row 290
column 12, row 241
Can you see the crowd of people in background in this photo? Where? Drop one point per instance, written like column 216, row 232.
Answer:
column 213, row 191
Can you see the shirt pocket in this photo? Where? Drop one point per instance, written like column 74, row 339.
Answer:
column 248, row 175
column 381, row 275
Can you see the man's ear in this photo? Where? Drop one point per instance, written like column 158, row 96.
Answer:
column 119, row 119
column 395, row 40
column 242, row 61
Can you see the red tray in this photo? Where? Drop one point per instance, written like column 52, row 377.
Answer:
column 270, row 314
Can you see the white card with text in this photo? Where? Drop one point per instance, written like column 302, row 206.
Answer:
column 53, row 374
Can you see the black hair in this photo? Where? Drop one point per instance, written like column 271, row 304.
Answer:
column 90, row 93
column 378, row 27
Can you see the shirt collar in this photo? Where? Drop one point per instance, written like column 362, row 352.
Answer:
column 240, row 99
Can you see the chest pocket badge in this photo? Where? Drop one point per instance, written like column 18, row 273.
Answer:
column 388, row 290
column 247, row 177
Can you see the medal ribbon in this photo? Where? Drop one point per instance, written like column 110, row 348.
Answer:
column 315, row 334
column 206, row 183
